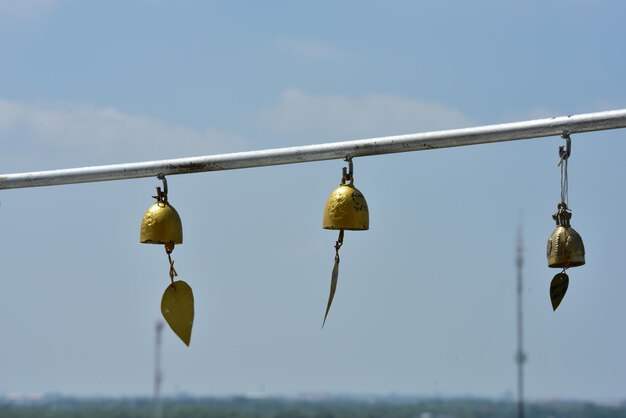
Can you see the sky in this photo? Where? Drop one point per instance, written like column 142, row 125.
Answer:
column 425, row 304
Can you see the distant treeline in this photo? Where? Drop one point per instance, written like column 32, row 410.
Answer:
column 280, row 408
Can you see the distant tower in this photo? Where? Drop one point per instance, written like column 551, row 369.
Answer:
column 157, row 371
column 520, row 356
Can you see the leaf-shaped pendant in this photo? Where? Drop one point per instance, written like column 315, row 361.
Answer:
column 333, row 286
column 558, row 288
column 177, row 309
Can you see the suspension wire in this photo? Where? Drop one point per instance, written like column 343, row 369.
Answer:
column 564, row 183
column 564, row 153
column 169, row 247
column 338, row 245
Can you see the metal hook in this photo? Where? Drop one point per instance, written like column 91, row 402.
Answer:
column 348, row 172
column 162, row 195
column 162, row 178
column 565, row 150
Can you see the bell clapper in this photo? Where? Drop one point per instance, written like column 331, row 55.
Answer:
column 565, row 246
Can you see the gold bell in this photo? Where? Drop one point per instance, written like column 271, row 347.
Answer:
column 565, row 246
column 346, row 207
column 161, row 223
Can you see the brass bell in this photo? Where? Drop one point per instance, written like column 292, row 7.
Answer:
column 565, row 246
column 161, row 223
column 346, row 208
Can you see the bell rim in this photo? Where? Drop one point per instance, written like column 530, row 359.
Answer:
column 335, row 228
column 567, row 265
column 160, row 242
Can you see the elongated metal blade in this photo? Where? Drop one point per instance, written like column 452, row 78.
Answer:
column 558, row 288
column 333, row 287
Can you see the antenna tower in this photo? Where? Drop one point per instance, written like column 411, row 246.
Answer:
column 520, row 356
column 158, row 376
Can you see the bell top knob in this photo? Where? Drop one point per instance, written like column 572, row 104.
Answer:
column 562, row 215
column 565, row 246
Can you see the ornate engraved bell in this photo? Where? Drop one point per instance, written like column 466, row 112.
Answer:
column 565, row 246
column 161, row 223
column 346, row 209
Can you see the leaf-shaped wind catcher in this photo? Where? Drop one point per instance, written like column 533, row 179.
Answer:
column 178, row 310
column 558, row 288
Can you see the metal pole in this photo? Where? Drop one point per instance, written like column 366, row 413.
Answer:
column 520, row 355
column 383, row 145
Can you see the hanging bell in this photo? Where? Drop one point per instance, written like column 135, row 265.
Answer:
column 161, row 223
column 346, row 207
column 565, row 246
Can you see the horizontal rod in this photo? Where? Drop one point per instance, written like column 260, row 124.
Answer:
column 358, row 148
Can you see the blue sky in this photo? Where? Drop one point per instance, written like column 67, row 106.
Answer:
column 425, row 303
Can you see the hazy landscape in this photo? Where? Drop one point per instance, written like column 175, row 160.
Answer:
column 243, row 407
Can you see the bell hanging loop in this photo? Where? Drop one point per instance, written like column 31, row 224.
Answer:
column 565, row 150
column 348, row 172
column 161, row 223
column 163, row 194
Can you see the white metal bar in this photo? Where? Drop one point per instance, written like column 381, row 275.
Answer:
column 384, row 145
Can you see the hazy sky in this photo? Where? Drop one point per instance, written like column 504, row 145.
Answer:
column 426, row 297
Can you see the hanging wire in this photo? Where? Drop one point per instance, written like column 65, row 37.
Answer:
column 169, row 247
column 564, row 183
column 564, row 154
column 338, row 245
